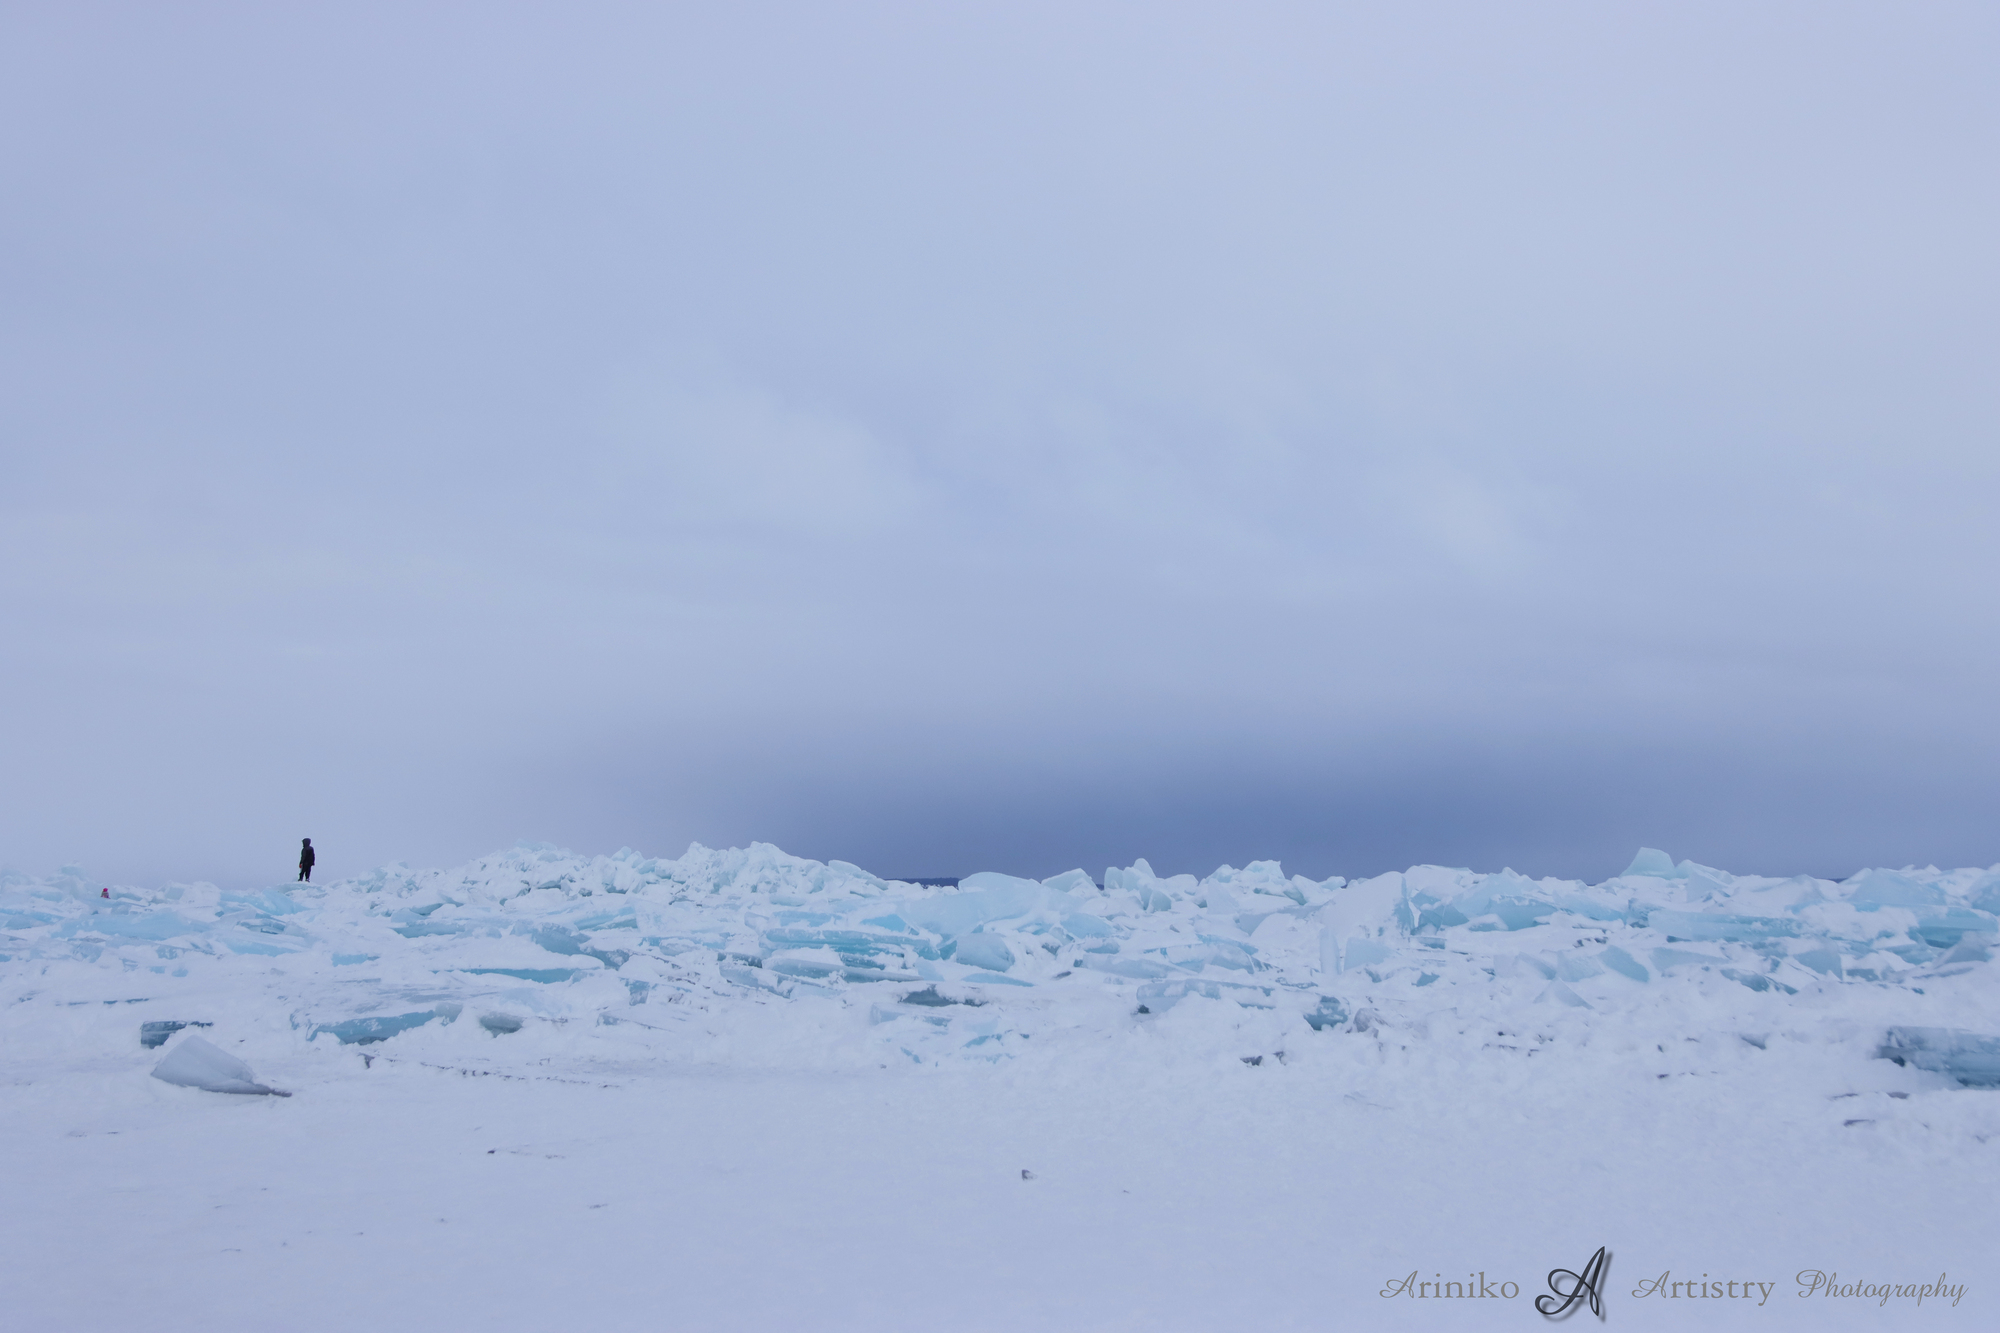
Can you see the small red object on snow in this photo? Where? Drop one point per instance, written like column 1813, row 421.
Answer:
column 107, row 891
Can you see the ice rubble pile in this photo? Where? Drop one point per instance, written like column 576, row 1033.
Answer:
column 539, row 935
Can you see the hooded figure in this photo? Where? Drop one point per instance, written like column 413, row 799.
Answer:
column 306, row 859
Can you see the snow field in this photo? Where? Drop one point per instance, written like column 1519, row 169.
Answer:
column 742, row 1090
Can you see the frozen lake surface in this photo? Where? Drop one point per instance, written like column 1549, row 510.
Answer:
column 741, row 1090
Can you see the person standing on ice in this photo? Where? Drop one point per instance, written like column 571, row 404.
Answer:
column 306, row 859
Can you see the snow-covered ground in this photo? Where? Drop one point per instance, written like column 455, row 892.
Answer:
column 744, row 1090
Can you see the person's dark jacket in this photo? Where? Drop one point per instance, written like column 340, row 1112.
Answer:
column 306, row 857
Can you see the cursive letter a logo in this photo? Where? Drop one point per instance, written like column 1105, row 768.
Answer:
column 1581, row 1285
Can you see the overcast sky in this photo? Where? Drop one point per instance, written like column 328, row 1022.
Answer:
column 967, row 436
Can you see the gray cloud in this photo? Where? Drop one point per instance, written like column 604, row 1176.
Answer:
column 958, row 437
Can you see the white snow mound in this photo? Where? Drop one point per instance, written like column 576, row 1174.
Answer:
column 195, row 1063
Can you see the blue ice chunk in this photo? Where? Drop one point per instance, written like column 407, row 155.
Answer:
column 1520, row 913
column 1444, row 916
column 929, row 998
column 558, row 940
column 365, row 1031
column 1973, row 1058
column 1510, row 964
column 419, row 929
column 349, row 959
column 137, row 926
column 1155, row 900
column 811, row 968
column 274, row 902
column 849, row 944
column 1084, row 926
column 853, row 871
column 1984, row 894
column 1364, row 953
column 1916, row 952
column 1717, row 926
column 985, row 951
column 994, row 881
column 155, row 1034
column 1557, row 993
column 875, row 972
column 544, row 975
column 1330, row 1012
column 811, row 937
column 1572, row 966
column 1756, row 981
column 756, row 978
column 981, row 898
column 672, row 945
column 1247, row 922
column 1875, row 889
column 889, row 922
column 889, row 1013
column 1618, row 960
column 1071, row 881
column 1242, row 948
column 1425, row 978
column 257, row 947
column 1654, row 862
column 1160, row 996
column 1583, row 904
column 1515, row 899
column 500, row 1024
column 1138, row 873
column 1944, row 929
column 996, row 978
column 1820, row 960
column 1968, row 951
column 1136, row 968
column 1670, row 958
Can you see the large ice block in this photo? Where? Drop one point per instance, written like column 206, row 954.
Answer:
column 194, row 1063
column 1973, row 1058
